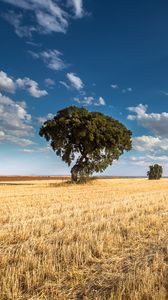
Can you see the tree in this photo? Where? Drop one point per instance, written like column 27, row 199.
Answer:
column 89, row 139
column 155, row 172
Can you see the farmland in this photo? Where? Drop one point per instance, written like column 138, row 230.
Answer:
column 106, row 239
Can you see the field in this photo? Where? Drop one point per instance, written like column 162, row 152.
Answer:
column 107, row 239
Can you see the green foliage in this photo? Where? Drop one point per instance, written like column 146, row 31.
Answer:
column 90, row 139
column 155, row 172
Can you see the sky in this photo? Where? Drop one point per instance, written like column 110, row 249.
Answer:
column 107, row 56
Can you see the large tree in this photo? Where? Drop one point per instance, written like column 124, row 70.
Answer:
column 90, row 140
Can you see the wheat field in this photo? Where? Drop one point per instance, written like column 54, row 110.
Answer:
column 107, row 239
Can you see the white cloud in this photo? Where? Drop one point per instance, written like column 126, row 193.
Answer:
column 77, row 6
column 114, row 86
column 49, row 23
column 10, row 85
column 75, row 81
column 44, row 16
column 49, row 82
column 16, row 20
column 52, row 58
column 6, row 83
column 37, row 149
column 64, row 84
column 33, row 44
column 124, row 90
column 41, row 120
column 28, row 150
column 158, row 158
column 15, row 122
column 85, row 100
column 31, row 86
column 91, row 101
column 100, row 101
column 155, row 122
column 144, row 143
column 49, row 16
column 150, row 143
column 140, row 111
column 147, row 160
column 148, row 150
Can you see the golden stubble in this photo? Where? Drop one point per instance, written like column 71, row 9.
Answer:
column 107, row 239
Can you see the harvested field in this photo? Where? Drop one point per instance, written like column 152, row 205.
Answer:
column 106, row 239
column 31, row 178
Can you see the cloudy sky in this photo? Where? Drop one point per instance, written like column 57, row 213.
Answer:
column 108, row 56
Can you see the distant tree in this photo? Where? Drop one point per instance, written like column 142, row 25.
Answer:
column 155, row 172
column 89, row 139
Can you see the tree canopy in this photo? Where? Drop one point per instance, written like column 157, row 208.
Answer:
column 90, row 140
column 155, row 172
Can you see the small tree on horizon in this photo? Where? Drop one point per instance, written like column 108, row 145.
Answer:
column 155, row 172
column 90, row 140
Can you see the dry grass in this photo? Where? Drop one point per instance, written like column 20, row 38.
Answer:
column 107, row 239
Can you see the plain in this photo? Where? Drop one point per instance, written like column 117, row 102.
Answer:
column 106, row 239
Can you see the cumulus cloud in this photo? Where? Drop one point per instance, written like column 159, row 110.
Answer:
column 155, row 122
column 150, row 143
column 139, row 110
column 6, row 83
column 147, row 160
column 52, row 58
column 31, row 86
column 144, row 143
column 91, row 101
column 10, row 85
column 154, row 147
column 15, row 122
column 49, row 82
column 100, row 101
column 44, row 16
column 148, row 150
column 75, row 81
column 143, row 161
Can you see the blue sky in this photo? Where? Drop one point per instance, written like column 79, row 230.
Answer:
column 109, row 56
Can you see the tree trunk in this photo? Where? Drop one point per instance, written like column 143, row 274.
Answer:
column 74, row 173
column 76, row 168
